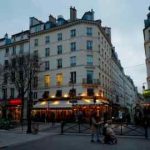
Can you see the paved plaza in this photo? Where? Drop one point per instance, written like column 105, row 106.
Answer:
column 50, row 138
column 74, row 142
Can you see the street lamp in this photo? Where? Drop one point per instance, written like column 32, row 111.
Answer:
column 4, row 101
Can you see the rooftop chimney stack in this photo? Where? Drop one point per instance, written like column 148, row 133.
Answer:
column 52, row 19
column 73, row 14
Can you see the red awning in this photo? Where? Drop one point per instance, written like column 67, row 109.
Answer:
column 15, row 102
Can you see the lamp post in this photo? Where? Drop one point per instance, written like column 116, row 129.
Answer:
column 4, row 101
column 29, row 103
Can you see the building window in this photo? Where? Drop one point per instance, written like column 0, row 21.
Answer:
column 59, row 36
column 13, row 77
column 14, row 50
column 12, row 92
column 73, row 46
column 59, row 63
column 47, row 52
column 35, row 53
column 59, row 93
column 73, row 77
column 59, row 79
column 6, row 64
column 90, row 92
column 89, row 45
column 73, row 33
column 35, row 82
column 47, row 65
column 47, row 39
column 35, row 95
column 73, row 61
column 47, row 80
column 5, row 78
column 89, row 76
column 59, row 49
column 4, row 94
column 6, row 51
column 89, row 31
column 21, row 48
column 89, row 59
column 35, row 42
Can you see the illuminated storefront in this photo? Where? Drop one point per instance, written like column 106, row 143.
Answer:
column 66, row 108
column 14, row 109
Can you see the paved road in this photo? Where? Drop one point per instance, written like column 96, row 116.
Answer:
column 74, row 142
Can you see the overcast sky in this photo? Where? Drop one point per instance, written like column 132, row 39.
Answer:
column 125, row 17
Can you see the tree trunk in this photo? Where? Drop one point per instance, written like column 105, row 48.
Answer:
column 22, row 109
column 29, row 116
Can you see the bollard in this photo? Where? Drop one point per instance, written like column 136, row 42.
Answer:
column 62, row 127
column 146, row 132
column 79, row 126
column 121, row 127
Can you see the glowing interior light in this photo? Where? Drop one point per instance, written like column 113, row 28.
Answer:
column 43, row 103
column 65, row 95
column 56, row 103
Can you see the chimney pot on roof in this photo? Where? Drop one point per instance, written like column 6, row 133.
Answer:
column 73, row 14
column 52, row 19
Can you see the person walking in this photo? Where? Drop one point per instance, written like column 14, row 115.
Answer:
column 94, row 127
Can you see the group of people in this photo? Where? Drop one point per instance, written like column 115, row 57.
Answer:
column 108, row 133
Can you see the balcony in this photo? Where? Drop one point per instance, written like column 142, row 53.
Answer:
column 90, row 83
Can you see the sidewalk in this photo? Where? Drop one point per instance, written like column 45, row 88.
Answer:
column 19, row 136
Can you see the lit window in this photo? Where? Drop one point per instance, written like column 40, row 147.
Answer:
column 47, row 80
column 59, row 79
column 89, row 59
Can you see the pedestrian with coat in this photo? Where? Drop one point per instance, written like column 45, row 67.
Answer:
column 94, row 127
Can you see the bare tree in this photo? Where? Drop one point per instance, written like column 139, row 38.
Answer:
column 20, row 71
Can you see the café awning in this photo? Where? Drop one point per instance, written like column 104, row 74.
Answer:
column 52, row 104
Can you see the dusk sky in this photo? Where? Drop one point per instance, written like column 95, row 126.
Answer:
column 125, row 17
